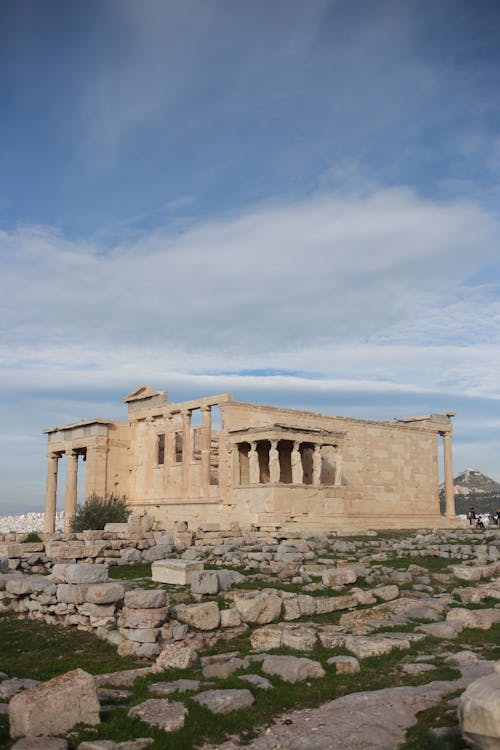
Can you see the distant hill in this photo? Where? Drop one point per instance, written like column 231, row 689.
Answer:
column 476, row 489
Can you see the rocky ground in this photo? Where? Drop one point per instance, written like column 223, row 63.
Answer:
column 306, row 643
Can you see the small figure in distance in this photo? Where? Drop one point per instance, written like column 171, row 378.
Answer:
column 471, row 515
column 479, row 523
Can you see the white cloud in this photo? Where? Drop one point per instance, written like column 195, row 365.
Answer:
column 319, row 272
column 365, row 301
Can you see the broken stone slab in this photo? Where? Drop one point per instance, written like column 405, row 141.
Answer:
column 324, row 605
column 479, row 713
column 146, row 599
column 142, row 618
column 159, row 712
column 140, row 635
column 174, row 686
column 257, row 681
column 40, row 743
column 176, row 656
column 225, row 701
column 105, row 593
column 123, row 678
column 298, row 637
column 482, row 619
column 365, row 646
column 446, row 630
column 230, row 618
column 222, row 670
column 344, row 664
column 141, row 743
column 56, row 706
column 339, row 576
column 292, row 668
column 259, row 608
column 174, row 571
column 28, row 584
column 205, row 582
column 386, row 593
column 86, row 573
column 204, row 616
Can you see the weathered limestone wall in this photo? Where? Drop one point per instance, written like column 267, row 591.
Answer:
column 389, row 474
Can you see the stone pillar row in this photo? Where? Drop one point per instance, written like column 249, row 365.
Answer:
column 187, row 451
column 51, row 490
column 296, row 461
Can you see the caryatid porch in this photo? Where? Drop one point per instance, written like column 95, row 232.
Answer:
column 280, row 454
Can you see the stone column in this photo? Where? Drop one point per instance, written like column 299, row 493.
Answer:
column 186, row 454
column 206, row 441
column 316, row 468
column 169, row 454
column 297, row 468
column 338, row 467
column 448, row 476
column 51, row 494
column 274, row 463
column 253, row 464
column 71, row 487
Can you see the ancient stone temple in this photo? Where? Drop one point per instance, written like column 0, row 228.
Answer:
column 218, row 460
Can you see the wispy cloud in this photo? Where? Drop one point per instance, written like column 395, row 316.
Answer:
column 364, row 289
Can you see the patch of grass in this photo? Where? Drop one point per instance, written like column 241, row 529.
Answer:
column 484, row 642
column 39, row 651
column 130, row 572
column 31, row 538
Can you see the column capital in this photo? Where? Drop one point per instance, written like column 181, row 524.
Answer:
column 73, row 452
column 205, row 409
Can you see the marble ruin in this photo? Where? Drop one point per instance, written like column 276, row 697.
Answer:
column 217, row 460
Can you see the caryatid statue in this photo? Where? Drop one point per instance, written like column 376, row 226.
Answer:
column 316, row 468
column 297, row 468
column 274, row 462
column 253, row 464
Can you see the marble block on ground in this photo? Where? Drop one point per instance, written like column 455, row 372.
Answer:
column 174, row 571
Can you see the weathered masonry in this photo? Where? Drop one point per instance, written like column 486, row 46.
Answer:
column 260, row 466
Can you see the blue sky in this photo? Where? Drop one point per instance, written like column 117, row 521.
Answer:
column 293, row 201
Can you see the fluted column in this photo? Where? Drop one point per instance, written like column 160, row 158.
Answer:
column 449, row 495
column 206, row 441
column 71, row 488
column 316, row 467
column 51, row 493
column 186, row 454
